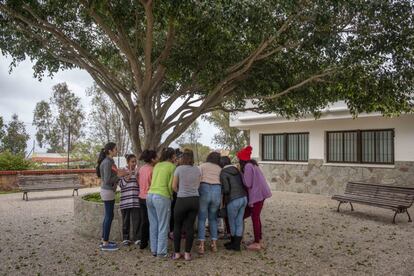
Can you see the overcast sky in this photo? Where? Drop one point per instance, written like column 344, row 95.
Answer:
column 20, row 91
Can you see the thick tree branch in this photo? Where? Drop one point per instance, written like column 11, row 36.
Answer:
column 181, row 91
column 265, row 43
column 148, row 45
column 168, row 44
column 159, row 62
column 121, row 40
column 186, row 105
column 278, row 49
column 313, row 78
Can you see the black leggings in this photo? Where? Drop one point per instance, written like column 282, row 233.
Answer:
column 172, row 211
column 144, row 222
column 185, row 213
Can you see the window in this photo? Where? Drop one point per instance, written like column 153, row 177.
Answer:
column 361, row 146
column 285, row 147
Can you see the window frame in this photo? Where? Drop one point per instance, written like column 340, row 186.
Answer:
column 285, row 147
column 359, row 146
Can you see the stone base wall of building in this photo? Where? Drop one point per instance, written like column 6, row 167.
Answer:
column 88, row 218
column 317, row 178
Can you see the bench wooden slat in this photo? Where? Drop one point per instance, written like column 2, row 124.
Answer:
column 405, row 200
column 367, row 186
column 384, row 206
column 375, row 200
column 390, row 203
column 377, row 189
column 44, row 188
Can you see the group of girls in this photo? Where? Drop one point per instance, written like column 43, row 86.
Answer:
column 202, row 192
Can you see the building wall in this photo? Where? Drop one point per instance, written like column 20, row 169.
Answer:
column 317, row 176
column 404, row 133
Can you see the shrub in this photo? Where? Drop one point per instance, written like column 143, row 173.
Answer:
column 11, row 162
column 96, row 197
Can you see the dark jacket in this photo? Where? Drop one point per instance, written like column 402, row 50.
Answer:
column 232, row 183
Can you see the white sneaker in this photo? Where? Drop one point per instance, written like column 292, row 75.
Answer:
column 126, row 242
column 138, row 242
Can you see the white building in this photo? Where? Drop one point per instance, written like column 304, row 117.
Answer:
column 321, row 155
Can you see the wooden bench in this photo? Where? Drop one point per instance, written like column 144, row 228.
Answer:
column 398, row 199
column 36, row 183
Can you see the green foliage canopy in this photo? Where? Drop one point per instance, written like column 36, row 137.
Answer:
column 289, row 57
column 229, row 138
column 14, row 137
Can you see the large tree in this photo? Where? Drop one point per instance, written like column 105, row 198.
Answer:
column 15, row 137
column 189, row 139
column 229, row 138
column 56, row 118
column 106, row 122
column 191, row 135
column 289, row 57
column 200, row 151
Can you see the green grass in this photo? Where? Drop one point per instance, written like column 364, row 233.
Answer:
column 9, row 192
column 96, row 197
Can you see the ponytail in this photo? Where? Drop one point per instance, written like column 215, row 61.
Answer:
column 102, row 155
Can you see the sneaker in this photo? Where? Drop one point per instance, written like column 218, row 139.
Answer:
column 126, row 242
column 110, row 242
column 138, row 242
column 109, row 247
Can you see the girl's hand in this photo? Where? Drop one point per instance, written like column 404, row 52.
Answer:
column 122, row 173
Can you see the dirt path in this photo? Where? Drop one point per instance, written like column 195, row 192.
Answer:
column 304, row 233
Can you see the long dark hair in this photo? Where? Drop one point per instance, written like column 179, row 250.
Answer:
column 225, row 161
column 244, row 163
column 167, row 154
column 188, row 157
column 213, row 157
column 102, row 155
column 148, row 155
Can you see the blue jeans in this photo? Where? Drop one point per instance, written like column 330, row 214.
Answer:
column 235, row 213
column 210, row 199
column 107, row 222
column 159, row 211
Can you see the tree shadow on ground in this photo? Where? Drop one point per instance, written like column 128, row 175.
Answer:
column 41, row 198
column 385, row 218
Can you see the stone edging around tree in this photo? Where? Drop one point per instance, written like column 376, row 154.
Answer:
column 88, row 217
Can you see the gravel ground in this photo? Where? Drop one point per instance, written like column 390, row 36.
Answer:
column 304, row 236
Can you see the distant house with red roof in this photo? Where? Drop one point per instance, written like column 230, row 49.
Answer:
column 52, row 159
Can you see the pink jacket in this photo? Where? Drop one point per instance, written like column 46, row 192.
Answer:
column 144, row 180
